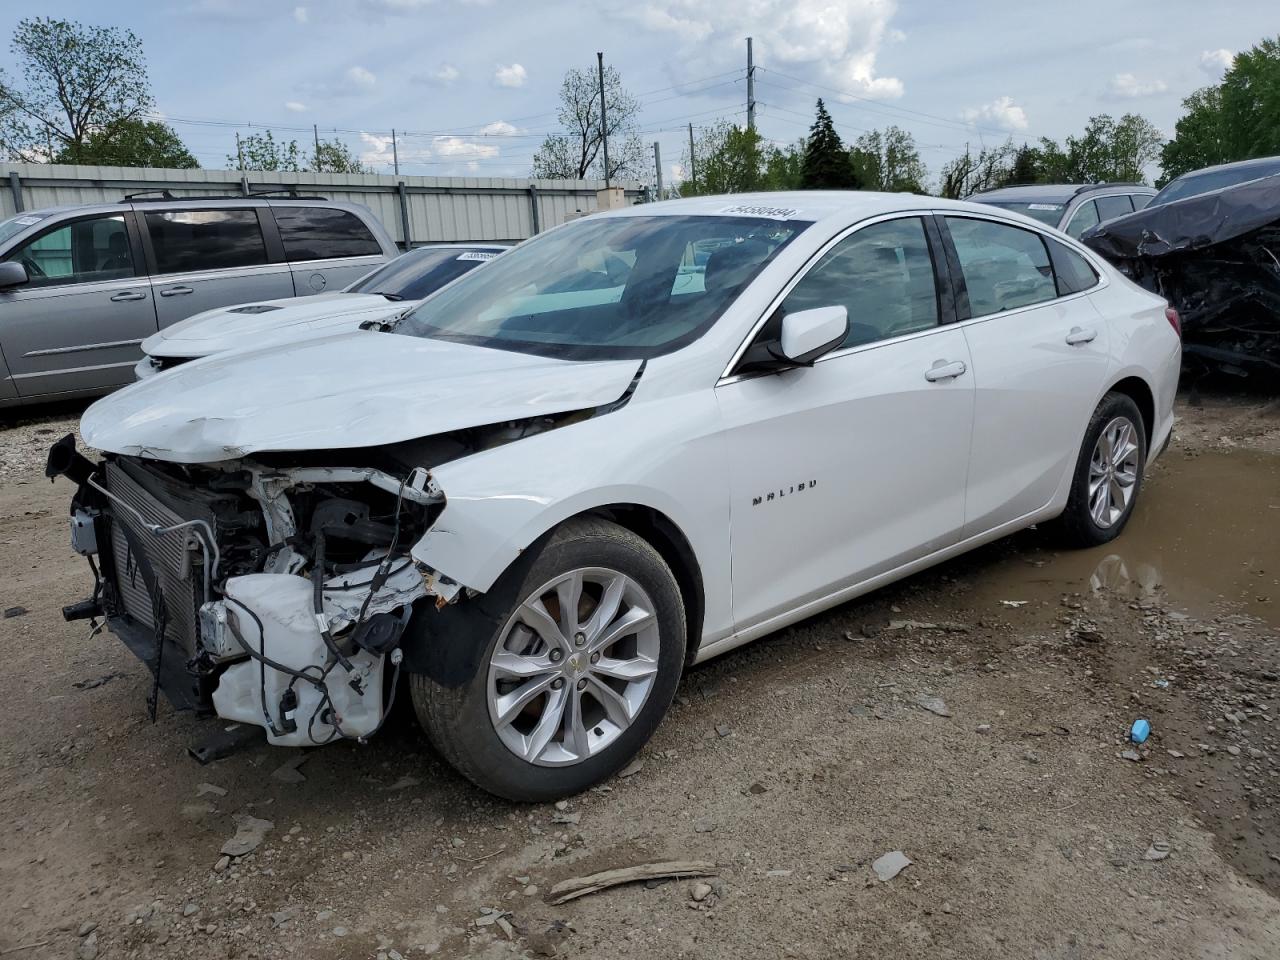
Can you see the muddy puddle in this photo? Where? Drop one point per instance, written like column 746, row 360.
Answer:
column 1205, row 538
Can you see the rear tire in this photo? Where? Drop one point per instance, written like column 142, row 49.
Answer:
column 577, row 675
column 1108, row 475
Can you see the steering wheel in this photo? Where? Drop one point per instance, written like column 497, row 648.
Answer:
column 32, row 268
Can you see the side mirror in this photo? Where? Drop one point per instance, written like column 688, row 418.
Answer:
column 808, row 334
column 12, row 274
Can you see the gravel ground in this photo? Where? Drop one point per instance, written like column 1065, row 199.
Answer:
column 792, row 764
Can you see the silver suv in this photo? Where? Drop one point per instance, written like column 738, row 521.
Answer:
column 1072, row 208
column 81, row 287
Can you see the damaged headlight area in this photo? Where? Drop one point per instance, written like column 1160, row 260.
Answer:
column 268, row 594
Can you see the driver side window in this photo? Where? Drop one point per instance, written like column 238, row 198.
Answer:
column 84, row 251
column 882, row 274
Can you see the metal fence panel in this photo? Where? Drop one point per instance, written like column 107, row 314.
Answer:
column 437, row 209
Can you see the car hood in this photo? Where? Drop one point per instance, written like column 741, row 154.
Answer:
column 267, row 321
column 357, row 389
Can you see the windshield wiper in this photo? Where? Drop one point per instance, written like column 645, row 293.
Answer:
column 393, row 297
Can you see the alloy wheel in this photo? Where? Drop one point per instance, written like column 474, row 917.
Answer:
column 573, row 666
column 1113, row 472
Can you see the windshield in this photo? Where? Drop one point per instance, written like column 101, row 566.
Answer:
column 1047, row 213
column 1194, row 184
column 15, row 225
column 608, row 288
column 418, row 273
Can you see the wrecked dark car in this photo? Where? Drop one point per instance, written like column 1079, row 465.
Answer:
column 1215, row 257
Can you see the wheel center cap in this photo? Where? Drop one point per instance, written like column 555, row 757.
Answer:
column 575, row 664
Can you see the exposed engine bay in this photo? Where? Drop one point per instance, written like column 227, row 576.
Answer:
column 271, row 590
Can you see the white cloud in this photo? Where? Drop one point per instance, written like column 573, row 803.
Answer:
column 378, row 151
column 442, row 76
column 456, row 148
column 1217, row 62
column 838, row 40
column 293, row 106
column 301, row 14
column 1001, row 113
column 1126, row 86
column 360, row 79
column 499, row 128
column 510, row 76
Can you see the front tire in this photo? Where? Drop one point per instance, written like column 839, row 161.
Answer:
column 1108, row 475
column 575, row 678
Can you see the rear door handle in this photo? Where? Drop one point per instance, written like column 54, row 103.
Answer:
column 128, row 295
column 176, row 292
column 944, row 370
column 1079, row 335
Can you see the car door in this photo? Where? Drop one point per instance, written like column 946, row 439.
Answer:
column 75, row 325
column 210, row 258
column 856, row 465
column 1039, row 353
column 327, row 247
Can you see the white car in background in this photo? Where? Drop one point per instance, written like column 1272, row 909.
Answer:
column 628, row 445
column 378, row 295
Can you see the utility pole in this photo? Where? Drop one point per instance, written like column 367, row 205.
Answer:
column 751, row 89
column 657, row 164
column 693, row 160
column 239, row 151
column 315, row 132
column 395, row 152
column 604, row 124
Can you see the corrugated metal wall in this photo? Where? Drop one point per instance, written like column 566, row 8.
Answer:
column 438, row 209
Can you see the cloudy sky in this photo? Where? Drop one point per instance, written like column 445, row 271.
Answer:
column 472, row 84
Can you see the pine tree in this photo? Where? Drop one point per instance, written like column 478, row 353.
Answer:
column 826, row 163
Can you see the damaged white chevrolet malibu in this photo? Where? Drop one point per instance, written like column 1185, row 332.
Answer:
column 628, row 445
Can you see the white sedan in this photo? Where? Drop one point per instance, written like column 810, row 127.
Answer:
column 378, row 295
column 634, row 442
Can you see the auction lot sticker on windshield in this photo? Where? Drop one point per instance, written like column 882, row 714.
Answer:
column 26, row 221
column 753, row 210
column 477, row 255
column 1044, row 206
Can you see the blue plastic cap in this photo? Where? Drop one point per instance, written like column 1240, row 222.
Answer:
column 1140, row 730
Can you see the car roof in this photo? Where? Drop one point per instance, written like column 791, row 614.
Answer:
column 804, row 205
column 1055, row 192
column 1261, row 162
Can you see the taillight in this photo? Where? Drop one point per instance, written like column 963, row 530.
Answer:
column 1175, row 321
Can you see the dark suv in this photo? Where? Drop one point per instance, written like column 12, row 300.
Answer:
column 1071, row 208
column 81, row 287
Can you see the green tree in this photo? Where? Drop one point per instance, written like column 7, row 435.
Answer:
column 888, row 161
column 1026, row 166
column 76, row 81
column 783, row 167
column 133, row 143
column 729, row 159
column 826, row 164
column 1107, row 150
column 1234, row 120
column 576, row 153
column 334, row 156
column 260, row 151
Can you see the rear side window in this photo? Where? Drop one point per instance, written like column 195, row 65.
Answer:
column 323, row 233
column 882, row 275
column 1111, row 207
column 1004, row 267
column 190, row 240
column 1086, row 216
column 1140, row 200
column 1072, row 271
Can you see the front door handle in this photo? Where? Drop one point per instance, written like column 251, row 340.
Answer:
column 944, row 370
column 176, row 292
column 128, row 295
column 1079, row 335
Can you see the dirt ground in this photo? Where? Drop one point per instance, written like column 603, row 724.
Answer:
column 1033, row 829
